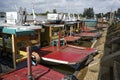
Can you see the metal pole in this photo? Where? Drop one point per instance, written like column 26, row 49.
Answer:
column 30, row 77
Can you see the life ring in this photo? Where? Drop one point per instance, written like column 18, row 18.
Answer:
column 36, row 58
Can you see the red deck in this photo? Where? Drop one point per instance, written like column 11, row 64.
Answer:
column 39, row 73
column 87, row 29
column 71, row 38
column 88, row 34
column 66, row 55
column 83, row 50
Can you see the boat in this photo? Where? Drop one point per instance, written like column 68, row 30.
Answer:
column 19, row 71
column 69, row 55
column 89, row 33
column 65, row 54
column 30, row 72
column 30, row 35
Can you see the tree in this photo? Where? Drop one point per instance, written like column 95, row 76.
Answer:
column 54, row 11
column 107, row 15
column 46, row 12
column 99, row 15
column 118, row 12
column 88, row 13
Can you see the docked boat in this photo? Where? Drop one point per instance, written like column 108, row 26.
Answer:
column 69, row 54
column 13, row 38
column 30, row 72
column 88, row 30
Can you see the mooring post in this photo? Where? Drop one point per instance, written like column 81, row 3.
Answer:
column 30, row 76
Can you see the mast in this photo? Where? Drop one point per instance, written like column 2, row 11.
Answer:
column 33, row 11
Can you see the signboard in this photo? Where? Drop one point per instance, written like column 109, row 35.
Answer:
column 11, row 17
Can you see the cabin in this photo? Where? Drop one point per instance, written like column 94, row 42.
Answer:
column 90, row 22
column 49, row 32
column 13, row 41
column 72, row 26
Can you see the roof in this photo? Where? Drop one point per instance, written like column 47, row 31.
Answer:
column 90, row 20
column 54, row 25
column 18, row 30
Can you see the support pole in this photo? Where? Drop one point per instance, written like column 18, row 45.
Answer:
column 83, row 26
column 30, row 77
column 58, row 40
column 14, row 51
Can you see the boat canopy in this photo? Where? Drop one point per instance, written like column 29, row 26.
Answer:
column 90, row 20
column 19, row 30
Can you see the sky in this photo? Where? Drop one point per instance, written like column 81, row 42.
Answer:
column 71, row 6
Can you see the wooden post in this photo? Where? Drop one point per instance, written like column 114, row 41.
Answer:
column 78, row 25
column 38, row 36
column 83, row 25
column 14, row 50
column 30, row 77
column 59, row 40
column 71, row 29
column 50, row 33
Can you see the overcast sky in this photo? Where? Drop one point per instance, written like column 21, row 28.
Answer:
column 72, row 6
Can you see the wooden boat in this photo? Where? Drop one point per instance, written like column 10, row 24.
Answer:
column 30, row 72
column 89, row 33
column 69, row 54
column 59, row 56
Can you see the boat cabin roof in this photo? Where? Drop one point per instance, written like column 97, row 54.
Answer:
column 18, row 30
column 54, row 25
column 89, row 20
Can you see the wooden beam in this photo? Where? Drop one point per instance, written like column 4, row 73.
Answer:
column 78, row 25
column 14, row 50
column 50, row 33
column 38, row 31
column 71, row 30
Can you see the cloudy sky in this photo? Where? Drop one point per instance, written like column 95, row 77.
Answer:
column 72, row 6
